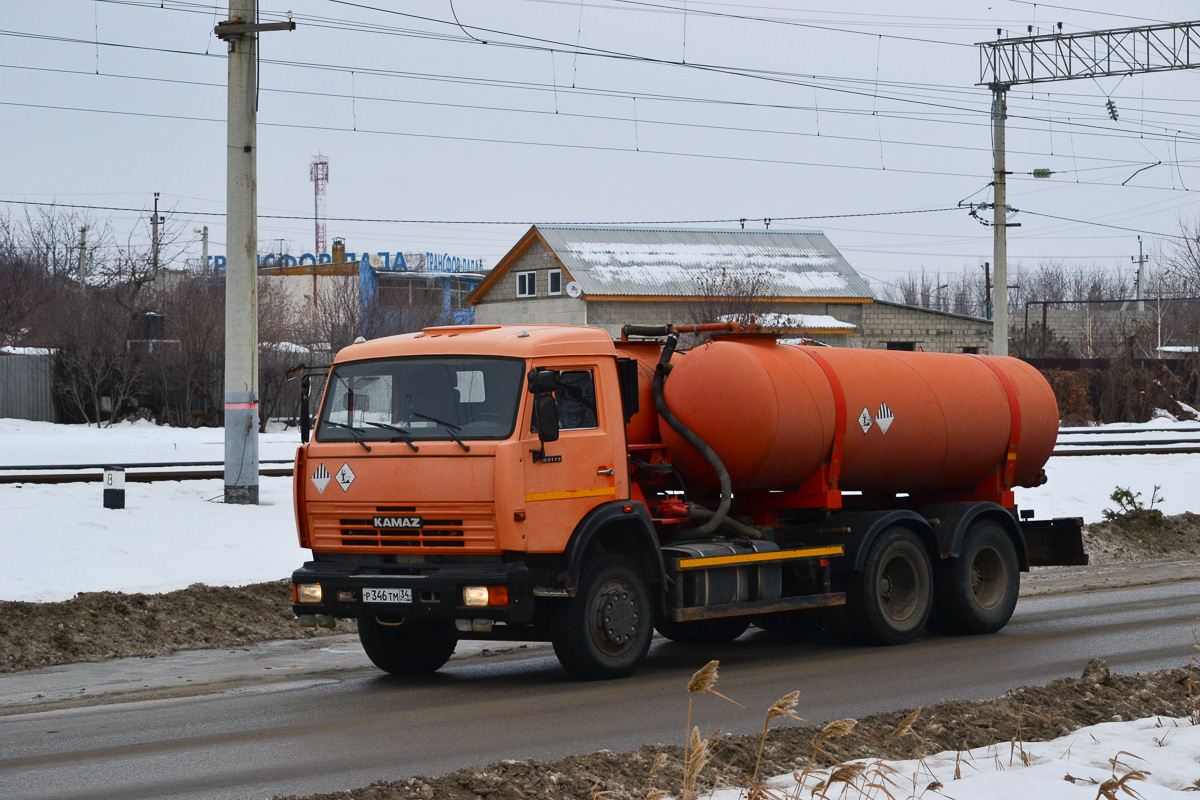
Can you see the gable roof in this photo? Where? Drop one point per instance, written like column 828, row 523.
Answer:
column 656, row 262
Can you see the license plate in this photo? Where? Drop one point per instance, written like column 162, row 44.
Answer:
column 375, row 595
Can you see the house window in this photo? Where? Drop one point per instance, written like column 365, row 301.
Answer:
column 554, row 281
column 526, row 284
column 971, row 350
column 901, row 345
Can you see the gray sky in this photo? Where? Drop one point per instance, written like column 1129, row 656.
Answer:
column 868, row 108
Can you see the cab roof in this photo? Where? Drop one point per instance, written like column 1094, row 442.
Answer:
column 519, row 341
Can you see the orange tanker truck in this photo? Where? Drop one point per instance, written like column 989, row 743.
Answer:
column 545, row 483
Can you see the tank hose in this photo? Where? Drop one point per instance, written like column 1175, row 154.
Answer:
column 660, row 377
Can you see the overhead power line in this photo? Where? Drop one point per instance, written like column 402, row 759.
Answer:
column 385, row 220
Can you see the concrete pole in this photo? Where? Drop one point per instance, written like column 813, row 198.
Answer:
column 83, row 258
column 204, row 251
column 154, row 222
column 241, row 269
column 999, row 222
column 1141, row 276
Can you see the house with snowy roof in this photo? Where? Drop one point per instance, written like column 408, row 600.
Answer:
column 795, row 281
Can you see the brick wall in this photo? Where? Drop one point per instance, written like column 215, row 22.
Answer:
column 938, row 333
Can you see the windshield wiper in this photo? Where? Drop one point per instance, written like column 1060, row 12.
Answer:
column 357, row 433
column 450, row 427
column 404, row 436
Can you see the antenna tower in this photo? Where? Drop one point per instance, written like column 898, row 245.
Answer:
column 318, row 173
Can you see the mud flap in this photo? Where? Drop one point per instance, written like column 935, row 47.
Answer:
column 1055, row 542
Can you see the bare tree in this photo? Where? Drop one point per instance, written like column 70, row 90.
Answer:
column 23, row 292
column 337, row 320
column 734, row 295
column 97, row 376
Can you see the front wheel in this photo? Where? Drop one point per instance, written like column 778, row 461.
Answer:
column 977, row 592
column 604, row 631
column 889, row 601
column 408, row 647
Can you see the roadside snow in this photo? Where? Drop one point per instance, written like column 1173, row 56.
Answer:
column 1080, row 486
column 23, row 442
column 58, row 539
column 1073, row 766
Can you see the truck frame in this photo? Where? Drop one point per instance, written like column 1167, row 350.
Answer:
column 477, row 482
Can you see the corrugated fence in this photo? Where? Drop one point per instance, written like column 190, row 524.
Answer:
column 26, row 381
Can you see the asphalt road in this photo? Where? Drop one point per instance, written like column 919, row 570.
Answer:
column 348, row 728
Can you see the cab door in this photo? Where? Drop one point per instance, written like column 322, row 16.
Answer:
column 566, row 479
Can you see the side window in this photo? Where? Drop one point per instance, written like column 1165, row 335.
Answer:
column 526, row 284
column 554, row 282
column 576, row 396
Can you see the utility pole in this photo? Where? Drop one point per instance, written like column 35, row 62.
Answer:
column 240, row 31
column 203, row 249
column 83, row 258
column 987, row 288
column 155, row 222
column 999, row 220
column 1021, row 60
column 1137, row 287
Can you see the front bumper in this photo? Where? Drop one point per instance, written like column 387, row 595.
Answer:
column 436, row 590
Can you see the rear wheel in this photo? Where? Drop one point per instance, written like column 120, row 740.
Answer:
column 604, row 631
column 408, row 647
column 889, row 601
column 725, row 629
column 977, row 592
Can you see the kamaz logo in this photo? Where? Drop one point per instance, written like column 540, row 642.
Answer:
column 397, row 522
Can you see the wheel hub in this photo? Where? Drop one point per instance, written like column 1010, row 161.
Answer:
column 618, row 617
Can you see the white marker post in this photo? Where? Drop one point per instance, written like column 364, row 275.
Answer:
column 114, row 487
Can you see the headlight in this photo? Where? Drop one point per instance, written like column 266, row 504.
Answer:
column 475, row 595
column 308, row 592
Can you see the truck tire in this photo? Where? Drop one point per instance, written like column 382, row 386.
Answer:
column 713, row 631
column 604, row 631
column 411, row 648
column 977, row 592
column 890, row 600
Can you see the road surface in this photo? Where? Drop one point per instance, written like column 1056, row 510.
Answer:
column 320, row 729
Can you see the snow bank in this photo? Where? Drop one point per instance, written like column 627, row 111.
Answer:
column 1073, row 766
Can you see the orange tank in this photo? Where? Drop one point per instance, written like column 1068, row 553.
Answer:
column 915, row 422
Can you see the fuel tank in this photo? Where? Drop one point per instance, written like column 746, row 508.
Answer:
column 913, row 422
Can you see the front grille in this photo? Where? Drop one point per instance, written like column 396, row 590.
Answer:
column 432, row 533
column 445, row 527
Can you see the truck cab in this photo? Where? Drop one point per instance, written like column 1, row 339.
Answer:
column 436, row 504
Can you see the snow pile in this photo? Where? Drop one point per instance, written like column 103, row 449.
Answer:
column 1149, row 758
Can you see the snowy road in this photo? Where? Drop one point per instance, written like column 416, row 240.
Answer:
column 346, row 728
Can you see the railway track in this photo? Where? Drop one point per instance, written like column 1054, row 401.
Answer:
column 1176, row 440
column 134, row 473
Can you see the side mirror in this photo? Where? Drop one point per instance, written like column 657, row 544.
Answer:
column 547, row 417
column 542, row 383
column 305, row 414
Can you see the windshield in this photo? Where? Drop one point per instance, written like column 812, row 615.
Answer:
column 421, row 399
